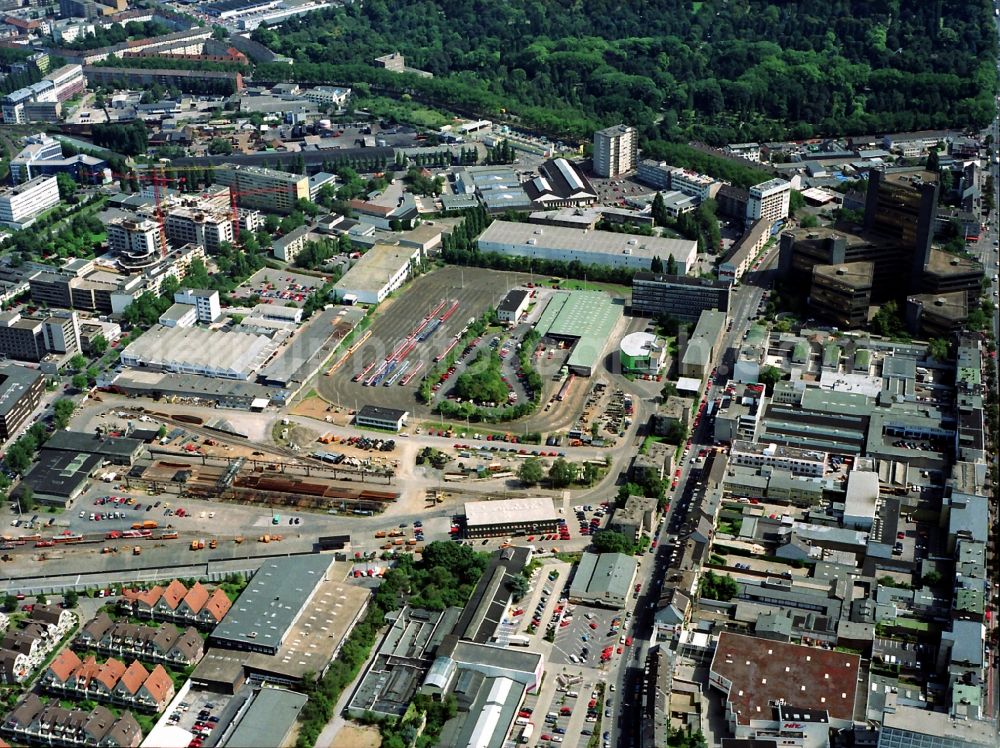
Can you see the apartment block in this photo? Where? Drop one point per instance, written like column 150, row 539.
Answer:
column 21, row 391
column 190, row 225
column 136, row 241
column 22, row 204
column 769, row 201
column 267, row 189
column 615, row 151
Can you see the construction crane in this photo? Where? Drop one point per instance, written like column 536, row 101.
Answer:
column 157, row 177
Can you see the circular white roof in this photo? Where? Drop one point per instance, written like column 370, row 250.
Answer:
column 638, row 344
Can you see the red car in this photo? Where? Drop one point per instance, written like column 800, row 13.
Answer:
column 628, row 641
column 593, row 626
column 677, row 473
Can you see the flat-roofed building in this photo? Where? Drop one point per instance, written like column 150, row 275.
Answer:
column 277, row 595
column 21, row 391
column 933, row 315
column 615, row 150
column 797, row 461
column 678, row 296
column 205, row 301
column 259, row 187
column 603, row 579
column 589, row 247
column 906, row 726
column 766, row 683
column 769, row 202
column 21, row 204
column 380, row 271
column 739, row 259
column 484, row 519
column 842, row 293
column 191, row 225
column 194, row 350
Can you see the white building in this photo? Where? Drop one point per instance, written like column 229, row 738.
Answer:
column 615, row 150
column 811, row 462
column 137, row 239
column 179, row 315
column 749, row 151
column 379, row 272
column 21, row 205
column 692, row 183
column 327, row 95
column 196, row 350
column 589, row 247
column 205, row 302
column 769, row 201
column 190, row 225
column 861, row 500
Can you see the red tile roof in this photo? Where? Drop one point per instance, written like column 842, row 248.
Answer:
column 147, row 598
column 134, row 677
column 763, row 672
column 158, row 684
column 218, row 605
column 174, row 593
column 196, row 597
column 110, row 673
column 65, row 664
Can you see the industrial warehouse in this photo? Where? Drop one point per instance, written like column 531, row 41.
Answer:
column 484, row 519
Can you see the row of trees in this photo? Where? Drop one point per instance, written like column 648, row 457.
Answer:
column 560, row 474
column 117, row 33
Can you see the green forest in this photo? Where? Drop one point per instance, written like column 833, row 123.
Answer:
column 719, row 70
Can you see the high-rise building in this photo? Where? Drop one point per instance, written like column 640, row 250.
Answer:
column 769, row 201
column 901, row 207
column 187, row 225
column 22, row 204
column 21, row 391
column 615, row 150
column 268, row 189
column 136, row 241
column 842, row 293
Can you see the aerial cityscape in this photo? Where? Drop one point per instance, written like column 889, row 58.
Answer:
column 441, row 373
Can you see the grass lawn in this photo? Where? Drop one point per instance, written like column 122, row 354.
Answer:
column 404, row 111
column 569, row 284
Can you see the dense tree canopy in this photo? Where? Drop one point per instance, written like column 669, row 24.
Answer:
column 718, row 70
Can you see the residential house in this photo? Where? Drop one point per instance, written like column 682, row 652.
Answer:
column 157, row 690
column 215, row 608
column 193, row 601
column 171, row 598
column 14, row 667
column 127, row 687
column 57, row 621
column 62, row 667
column 108, row 675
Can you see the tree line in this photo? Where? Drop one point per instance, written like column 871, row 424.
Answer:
column 717, row 71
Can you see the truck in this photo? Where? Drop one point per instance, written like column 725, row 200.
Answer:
column 137, row 551
column 380, row 533
column 529, row 730
column 213, row 543
column 145, row 525
column 411, row 541
column 197, row 545
column 519, row 640
column 397, row 541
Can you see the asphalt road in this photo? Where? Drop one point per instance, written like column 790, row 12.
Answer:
column 627, row 675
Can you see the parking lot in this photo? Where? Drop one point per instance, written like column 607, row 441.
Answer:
column 205, row 715
column 586, row 639
column 280, row 287
column 474, row 289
